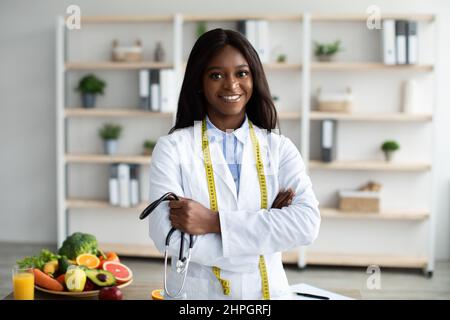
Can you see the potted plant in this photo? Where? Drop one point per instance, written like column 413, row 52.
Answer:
column 110, row 133
column 148, row 145
column 326, row 51
column 201, row 28
column 389, row 147
column 90, row 86
column 276, row 101
column 281, row 58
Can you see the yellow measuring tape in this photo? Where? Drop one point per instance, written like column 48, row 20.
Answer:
column 213, row 202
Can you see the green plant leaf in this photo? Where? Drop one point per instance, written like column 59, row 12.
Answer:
column 149, row 144
column 110, row 131
column 327, row 49
column 91, row 84
column 390, row 145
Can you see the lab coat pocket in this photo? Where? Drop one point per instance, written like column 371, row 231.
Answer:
column 194, row 287
column 197, row 288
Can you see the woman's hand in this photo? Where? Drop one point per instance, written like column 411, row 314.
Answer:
column 283, row 199
column 189, row 216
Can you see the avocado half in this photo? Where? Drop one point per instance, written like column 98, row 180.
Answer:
column 101, row 278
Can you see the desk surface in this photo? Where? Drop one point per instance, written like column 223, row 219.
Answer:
column 142, row 291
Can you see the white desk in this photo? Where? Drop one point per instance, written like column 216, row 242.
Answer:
column 306, row 288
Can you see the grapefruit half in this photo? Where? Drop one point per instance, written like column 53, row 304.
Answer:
column 120, row 271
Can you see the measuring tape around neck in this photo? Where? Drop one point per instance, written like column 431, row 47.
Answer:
column 214, row 206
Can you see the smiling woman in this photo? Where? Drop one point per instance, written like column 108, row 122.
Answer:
column 222, row 66
column 228, row 87
column 242, row 194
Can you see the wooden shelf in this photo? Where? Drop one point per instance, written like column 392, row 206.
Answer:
column 101, row 158
column 150, row 251
column 73, row 203
column 114, row 112
column 364, row 260
column 385, row 215
column 373, row 117
column 370, row 165
column 274, row 17
column 125, row 19
column 282, row 66
column 273, row 66
column 289, row 115
column 363, row 17
column 131, row 250
column 366, row 66
column 111, row 65
column 290, row 257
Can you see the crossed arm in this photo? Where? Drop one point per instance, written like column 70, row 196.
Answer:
column 292, row 220
column 193, row 218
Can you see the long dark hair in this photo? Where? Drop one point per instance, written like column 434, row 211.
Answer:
column 192, row 103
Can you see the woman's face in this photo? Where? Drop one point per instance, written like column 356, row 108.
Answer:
column 227, row 82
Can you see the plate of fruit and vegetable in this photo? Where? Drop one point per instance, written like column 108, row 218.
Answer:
column 79, row 269
column 84, row 282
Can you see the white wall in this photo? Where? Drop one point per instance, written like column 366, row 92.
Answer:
column 27, row 91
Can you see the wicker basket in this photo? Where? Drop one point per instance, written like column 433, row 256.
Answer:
column 359, row 201
column 127, row 54
column 334, row 102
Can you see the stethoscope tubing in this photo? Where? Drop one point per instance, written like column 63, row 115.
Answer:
column 182, row 264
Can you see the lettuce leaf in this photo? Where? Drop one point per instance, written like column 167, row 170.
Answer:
column 38, row 261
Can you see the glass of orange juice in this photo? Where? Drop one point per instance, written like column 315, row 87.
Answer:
column 23, row 283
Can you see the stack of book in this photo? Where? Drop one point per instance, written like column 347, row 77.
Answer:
column 400, row 42
column 157, row 90
column 124, row 185
column 328, row 140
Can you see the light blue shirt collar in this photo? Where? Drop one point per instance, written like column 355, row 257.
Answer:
column 240, row 133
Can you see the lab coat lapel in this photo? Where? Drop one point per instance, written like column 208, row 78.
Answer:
column 249, row 189
column 220, row 167
column 248, row 184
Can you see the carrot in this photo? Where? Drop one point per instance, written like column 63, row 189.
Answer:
column 46, row 282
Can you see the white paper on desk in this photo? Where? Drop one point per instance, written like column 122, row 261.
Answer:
column 306, row 288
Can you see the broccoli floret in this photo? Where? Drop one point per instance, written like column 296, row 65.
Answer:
column 78, row 243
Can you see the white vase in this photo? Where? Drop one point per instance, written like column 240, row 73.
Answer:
column 410, row 97
column 110, row 146
column 389, row 155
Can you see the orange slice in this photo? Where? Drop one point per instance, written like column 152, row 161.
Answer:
column 157, row 294
column 88, row 260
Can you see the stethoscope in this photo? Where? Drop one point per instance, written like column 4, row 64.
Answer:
column 183, row 262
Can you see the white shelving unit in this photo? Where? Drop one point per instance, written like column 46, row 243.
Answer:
column 401, row 235
column 297, row 119
column 66, row 113
column 88, row 207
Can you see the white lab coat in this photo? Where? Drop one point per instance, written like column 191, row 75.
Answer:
column 247, row 231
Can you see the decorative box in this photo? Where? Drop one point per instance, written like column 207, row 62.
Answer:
column 359, row 201
column 127, row 54
column 328, row 101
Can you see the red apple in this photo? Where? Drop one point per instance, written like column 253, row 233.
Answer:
column 89, row 286
column 110, row 293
